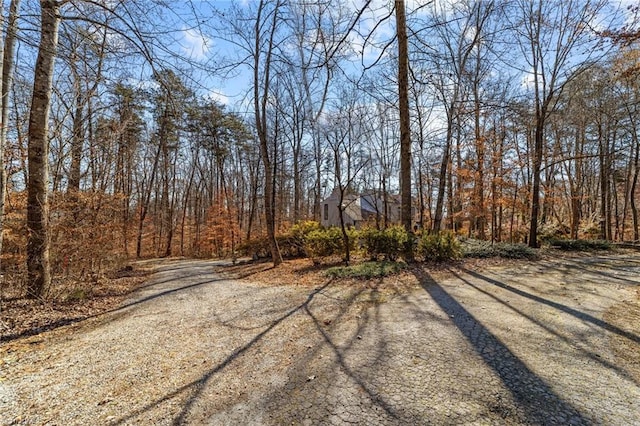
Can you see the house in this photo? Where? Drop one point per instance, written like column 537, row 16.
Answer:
column 365, row 207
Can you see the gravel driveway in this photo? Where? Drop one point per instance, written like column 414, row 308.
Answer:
column 498, row 346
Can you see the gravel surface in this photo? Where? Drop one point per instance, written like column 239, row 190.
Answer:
column 554, row 342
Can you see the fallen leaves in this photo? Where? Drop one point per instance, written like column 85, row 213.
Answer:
column 23, row 317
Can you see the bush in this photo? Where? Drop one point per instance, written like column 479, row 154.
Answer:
column 478, row 249
column 367, row 270
column 259, row 248
column 515, row 251
column 439, row 247
column 388, row 242
column 301, row 229
column 305, row 239
column 290, row 246
column 484, row 249
column 580, row 245
column 552, row 231
column 324, row 242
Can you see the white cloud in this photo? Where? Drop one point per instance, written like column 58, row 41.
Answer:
column 528, row 80
column 195, row 44
column 146, row 84
column 218, row 97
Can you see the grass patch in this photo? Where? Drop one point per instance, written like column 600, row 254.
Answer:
column 366, row 270
column 580, row 245
column 484, row 249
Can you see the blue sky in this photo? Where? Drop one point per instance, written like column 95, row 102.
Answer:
column 200, row 45
column 197, row 44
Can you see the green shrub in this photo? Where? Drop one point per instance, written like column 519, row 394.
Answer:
column 302, row 229
column 304, row 239
column 580, row 245
column 299, row 233
column 515, row 251
column 439, row 247
column 324, row 242
column 484, row 249
column 478, row 249
column 389, row 242
column 366, row 270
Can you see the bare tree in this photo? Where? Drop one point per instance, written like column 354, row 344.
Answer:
column 263, row 52
column 405, row 124
column 7, row 52
column 39, row 275
column 458, row 36
column 548, row 33
column 344, row 133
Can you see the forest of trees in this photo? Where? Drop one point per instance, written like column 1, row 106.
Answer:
column 519, row 119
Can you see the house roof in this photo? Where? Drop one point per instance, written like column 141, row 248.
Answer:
column 367, row 204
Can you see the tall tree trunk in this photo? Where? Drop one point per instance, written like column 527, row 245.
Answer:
column 185, row 202
column 166, row 205
column 576, row 183
column 297, row 178
column 405, row 124
column 479, row 208
column 254, row 176
column 38, row 269
column 421, row 179
column 145, row 198
column 605, row 184
column 8, row 58
column 317, row 193
column 442, row 181
column 634, row 185
column 260, row 107
column 535, row 189
column 341, row 207
column 77, row 142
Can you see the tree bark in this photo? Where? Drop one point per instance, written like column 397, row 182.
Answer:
column 38, row 269
column 260, row 109
column 405, row 125
column 77, row 142
column 8, row 59
column 535, row 189
column 479, row 209
column 144, row 200
column 442, row 181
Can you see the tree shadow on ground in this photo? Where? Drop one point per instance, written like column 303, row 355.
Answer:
column 367, row 300
column 559, row 306
column 196, row 387
column 192, row 392
column 585, row 350
column 121, row 308
column 588, row 266
column 537, row 399
column 244, row 269
column 44, row 328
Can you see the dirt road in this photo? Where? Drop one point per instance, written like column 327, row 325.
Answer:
column 551, row 342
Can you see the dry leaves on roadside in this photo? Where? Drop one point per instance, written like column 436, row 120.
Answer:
column 22, row 317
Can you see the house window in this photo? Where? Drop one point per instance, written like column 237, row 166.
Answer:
column 326, row 212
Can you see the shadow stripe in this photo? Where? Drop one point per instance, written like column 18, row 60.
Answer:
column 539, row 402
column 574, row 312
